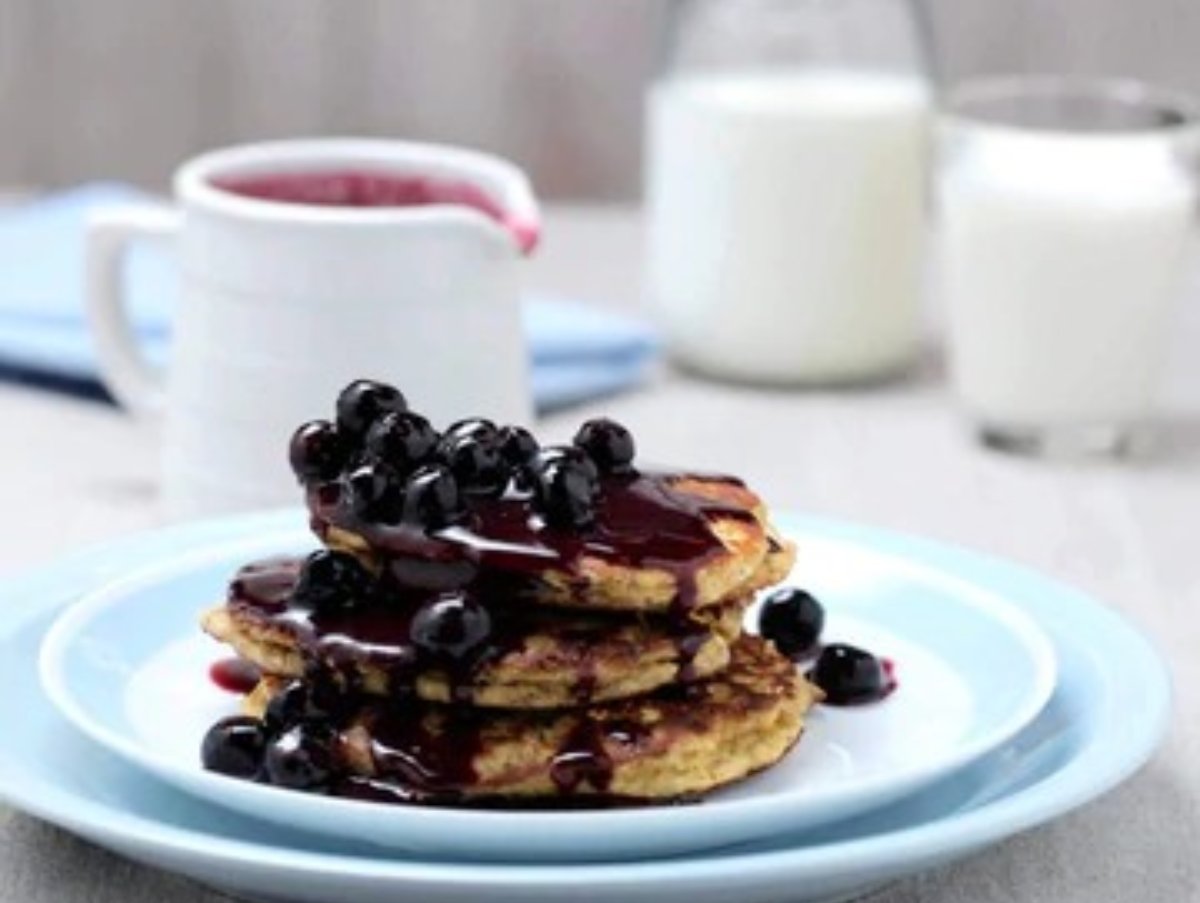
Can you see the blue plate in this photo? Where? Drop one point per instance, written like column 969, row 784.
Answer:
column 127, row 665
column 1082, row 744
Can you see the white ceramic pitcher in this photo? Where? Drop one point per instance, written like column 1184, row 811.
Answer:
column 284, row 302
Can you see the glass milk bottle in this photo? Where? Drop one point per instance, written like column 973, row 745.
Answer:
column 786, row 171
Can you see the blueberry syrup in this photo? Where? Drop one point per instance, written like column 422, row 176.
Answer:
column 268, row 583
column 380, row 634
column 426, row 754
column 420, row 753
column 386, row 635
column 235, row 675
column 506, row 546
column 431, row 754
column 362, row 188
column 584, row 689
column 688, row 642
column 583, row 759
column 889, row 671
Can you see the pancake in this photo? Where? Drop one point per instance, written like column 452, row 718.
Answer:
column 494, row 622
column 661, row 542
column 677, row 743
column 777, row 566
column 537, row 659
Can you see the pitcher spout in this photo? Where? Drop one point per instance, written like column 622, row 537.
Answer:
column 495, row 188
column 357, row 181
column 518, row 212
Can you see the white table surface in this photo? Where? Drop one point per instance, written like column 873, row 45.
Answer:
column 78, row 471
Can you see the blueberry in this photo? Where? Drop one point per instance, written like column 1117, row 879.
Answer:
column 375, row 493
column 363, row 402
column 565, row 489
column 317, row 452
column 299, row 759
column 517, row 445
column 608, row 443
column 850, row 676
column 472, row 451
column 472, row 426
column 520, row 451
column 793, row 620
column 569, row 453
column 403, row 440
column 451, row 627
column 234, row 746
column 328, row 691
column 332, row 581
column 292, row 705
column 432, row 498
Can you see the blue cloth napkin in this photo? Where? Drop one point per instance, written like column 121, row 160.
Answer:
column 579, row 352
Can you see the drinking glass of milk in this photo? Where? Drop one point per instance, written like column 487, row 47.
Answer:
column 786, row 174
column 1066, row 213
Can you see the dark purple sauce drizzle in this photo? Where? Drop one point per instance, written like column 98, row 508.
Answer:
column 425, row 754
column 689, row 642
column 583, row 760
column 496, row 559
column 429, row 765
column 505, row 545
column 235, row 675
column 378, row 633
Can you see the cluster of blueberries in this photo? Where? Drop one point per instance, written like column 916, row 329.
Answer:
column 396, row 468
column 290, row 747
column 793, row 620
column 447, row 629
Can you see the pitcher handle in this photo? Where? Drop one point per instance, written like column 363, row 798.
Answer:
column 136, row 383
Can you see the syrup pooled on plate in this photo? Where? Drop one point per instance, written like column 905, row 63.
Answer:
column 235, row 675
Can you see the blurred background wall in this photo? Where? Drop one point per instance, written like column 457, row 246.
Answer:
column 125, row 88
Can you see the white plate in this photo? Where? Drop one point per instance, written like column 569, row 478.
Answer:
column 1081, row 745
column 127, row 665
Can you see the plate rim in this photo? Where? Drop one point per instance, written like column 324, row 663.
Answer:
column 958, row 833
column 726, row 821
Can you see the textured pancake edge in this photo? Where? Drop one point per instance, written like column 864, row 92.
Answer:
column 740, row 550
column 523, row 679
column 689, row 749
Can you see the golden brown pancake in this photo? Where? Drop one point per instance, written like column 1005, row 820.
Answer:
column 677, row 743
column 661, row 542
column 554, row 659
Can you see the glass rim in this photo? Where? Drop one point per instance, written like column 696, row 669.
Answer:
column 970, row 100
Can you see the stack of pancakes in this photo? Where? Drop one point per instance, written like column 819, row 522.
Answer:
column 502, row 660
